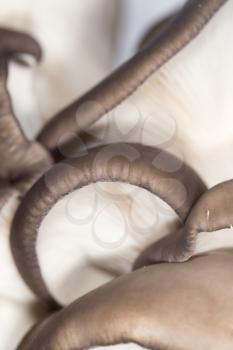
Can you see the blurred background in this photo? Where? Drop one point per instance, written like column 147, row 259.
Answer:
column 82, row 42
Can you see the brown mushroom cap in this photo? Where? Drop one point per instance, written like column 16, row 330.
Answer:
column 167, row 306
column 211, row 213
column 129, row 77
column 129, row 163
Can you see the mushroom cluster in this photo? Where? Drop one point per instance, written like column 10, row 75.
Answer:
column 159, row 127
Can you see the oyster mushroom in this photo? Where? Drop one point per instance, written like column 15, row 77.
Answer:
column 179, row 86
column 125, row 163
column 168, row 94
column 200, row 281
column 171, row 112
column 167, row 306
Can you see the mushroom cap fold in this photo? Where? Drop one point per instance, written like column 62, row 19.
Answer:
column 129, row 163
column 122, row 83
column 166, row 306
column 212, row 212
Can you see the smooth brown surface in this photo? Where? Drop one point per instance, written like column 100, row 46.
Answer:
column 129, row 163
column 163, row 307
column 122, row 83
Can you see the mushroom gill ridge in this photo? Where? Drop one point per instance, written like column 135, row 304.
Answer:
column 128, row 163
